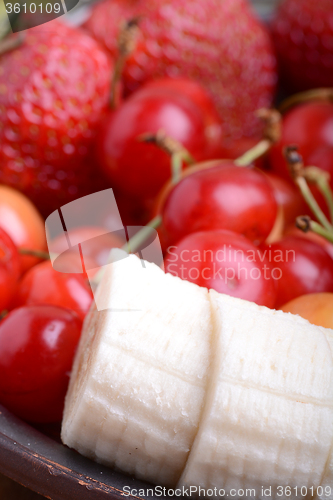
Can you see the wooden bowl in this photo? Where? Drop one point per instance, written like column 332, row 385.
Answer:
column 47, row 467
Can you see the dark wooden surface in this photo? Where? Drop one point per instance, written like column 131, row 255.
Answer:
column 45, row 466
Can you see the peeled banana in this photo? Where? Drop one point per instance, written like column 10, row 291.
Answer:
column 184, row 387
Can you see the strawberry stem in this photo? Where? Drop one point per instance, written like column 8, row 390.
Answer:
column 323, row 94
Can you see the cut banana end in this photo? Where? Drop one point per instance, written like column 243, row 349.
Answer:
column 139, row 379
column 268, row 417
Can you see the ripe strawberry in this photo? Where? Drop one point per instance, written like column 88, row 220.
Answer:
column 219, row 43
column 54, row 90
column 303, row 36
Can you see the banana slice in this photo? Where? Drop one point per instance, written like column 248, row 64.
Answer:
column 139, row 380
column 268, row 417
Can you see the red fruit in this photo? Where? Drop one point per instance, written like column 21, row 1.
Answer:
column 141, row 169
column 96, row 246
column 305, row 267
column 43, row 285
column 198, row 95
column 37, row 345
column 219, row 44
column 226, row 262
column 24, row 224
column 222, row 197
column 54, row 89
column 288, row 198
column 310, row 127
column 323, row 242
column 303, row 37
column 9, row 269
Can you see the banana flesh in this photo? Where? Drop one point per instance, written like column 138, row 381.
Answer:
column 178, row 386
column 268, row 417
column 139, row 381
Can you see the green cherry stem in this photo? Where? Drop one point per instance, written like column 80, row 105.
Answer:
column 126, row 45
column 305, row 224
column 298, row 173
column 39, row 254
column 321, row 179
column 254, row 153
column 133, row 244
column 272, row 134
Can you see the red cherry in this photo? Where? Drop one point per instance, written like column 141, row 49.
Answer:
column 96, row 246
column 310, row 126
column 288, row 198
column 199, row 96
column 225, row 261
column 316, row 238
column 43, row 285
column 37, row 345
column 305, row 267
column 222, row 197
column 9, row 269
column 141, row 169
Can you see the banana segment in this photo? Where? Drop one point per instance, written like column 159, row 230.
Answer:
column 139, row 380
column 268, row 417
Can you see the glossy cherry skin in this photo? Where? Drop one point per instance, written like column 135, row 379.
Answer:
column 225, row 261
column 199, row 96
column 305, row 267
column 9, row 269
column 222, row 197
column 288, row 198
column 139, row 169
column 24, row 224
column 37, row 345
column 310, row 126
column 43, row 285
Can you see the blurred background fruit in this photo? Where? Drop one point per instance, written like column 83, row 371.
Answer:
column 220, row 44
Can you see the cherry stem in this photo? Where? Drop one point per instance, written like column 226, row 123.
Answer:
column 272, row 134
column 298, row 173
column 3, row 314
column 173, row 148
column 305, row 224
column 126, row 45
column 132, row 245
column 253, row 154
column 321, row 179
column 39, row 254
column 11, row 43
column 322, row 94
